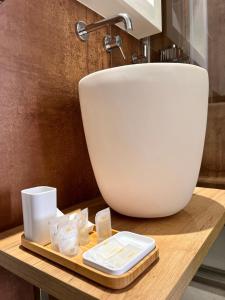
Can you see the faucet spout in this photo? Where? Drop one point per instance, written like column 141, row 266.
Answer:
column 82, row 29
column 111, row 21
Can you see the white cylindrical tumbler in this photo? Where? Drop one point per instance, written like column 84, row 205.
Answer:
column 39, row 206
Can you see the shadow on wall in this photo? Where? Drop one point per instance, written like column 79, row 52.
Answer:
column 62, row 147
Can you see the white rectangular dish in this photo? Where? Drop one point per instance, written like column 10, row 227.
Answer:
column 119, row 253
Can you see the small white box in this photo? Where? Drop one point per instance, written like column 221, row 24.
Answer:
column 39, row 206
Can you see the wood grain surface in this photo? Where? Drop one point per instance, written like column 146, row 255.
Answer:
column 183, row 240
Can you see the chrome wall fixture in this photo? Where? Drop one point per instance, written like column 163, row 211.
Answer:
column 174, row 54
column 113, row 42
column 82, row 31
column 145, row 56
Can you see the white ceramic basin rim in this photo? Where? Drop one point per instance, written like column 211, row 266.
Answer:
column 145, row 128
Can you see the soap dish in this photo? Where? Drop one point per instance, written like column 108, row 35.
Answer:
column 119, row 253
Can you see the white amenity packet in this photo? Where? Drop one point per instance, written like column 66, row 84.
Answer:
column 103, row 224
column 67, row 232
column 54, row 228
column 68, row 238
column 83, row 227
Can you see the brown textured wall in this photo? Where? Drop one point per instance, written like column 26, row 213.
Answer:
column 41, row 134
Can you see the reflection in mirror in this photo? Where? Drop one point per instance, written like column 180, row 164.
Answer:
column 198, row 28
column 198, row 36
column 187, row 27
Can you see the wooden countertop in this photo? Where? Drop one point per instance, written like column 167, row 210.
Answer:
column 183, row 239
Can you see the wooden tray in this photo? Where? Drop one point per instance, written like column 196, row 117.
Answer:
column 76, row 263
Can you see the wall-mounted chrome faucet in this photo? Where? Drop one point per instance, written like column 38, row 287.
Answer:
column 83, row 30
column 113, row 42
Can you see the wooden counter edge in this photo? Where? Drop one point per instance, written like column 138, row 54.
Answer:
column 189, row 273
column 42, row 279
column 51, row 284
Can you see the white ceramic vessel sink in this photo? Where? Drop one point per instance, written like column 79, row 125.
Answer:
column 145, row 129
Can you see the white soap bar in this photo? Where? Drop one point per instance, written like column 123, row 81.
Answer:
column 124, row 256
column 83, row 227
column 109, row 248
column 119, row 253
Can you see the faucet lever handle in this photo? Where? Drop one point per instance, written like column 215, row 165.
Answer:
column 121, row 50
column 119, row 45
column 111, row 43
